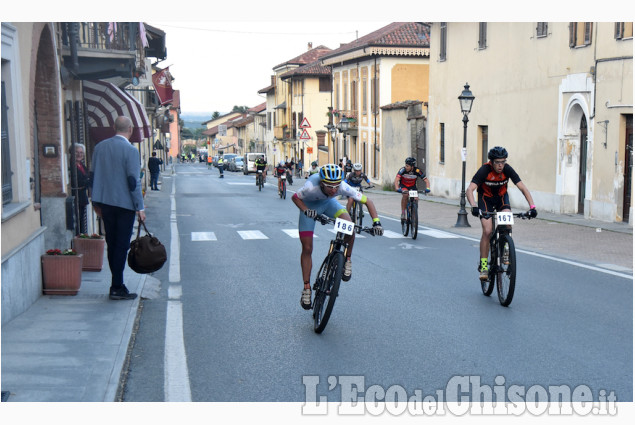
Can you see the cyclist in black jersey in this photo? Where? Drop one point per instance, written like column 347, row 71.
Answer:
column 261, row 164
column 355, row 179
column 490, row 181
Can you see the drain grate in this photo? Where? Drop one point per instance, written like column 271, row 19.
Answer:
column 5, row 396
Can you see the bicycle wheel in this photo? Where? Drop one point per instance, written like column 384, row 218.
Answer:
column 259, row 182
column 405, row 224
column 326, row 292
column 506, row 276
column 284, row 189
column 414, row 219
column 487, row 286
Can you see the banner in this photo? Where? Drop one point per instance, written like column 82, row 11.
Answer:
column 163, row 86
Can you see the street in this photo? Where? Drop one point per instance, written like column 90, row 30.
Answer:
column 412, row 315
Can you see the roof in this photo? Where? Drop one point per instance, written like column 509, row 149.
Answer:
column 258, row 108
column 267, row 89
column 401, row 105
column 313, row 69
column 395, row 35
column 306, row 57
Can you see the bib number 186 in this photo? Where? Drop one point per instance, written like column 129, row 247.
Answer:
column 344, row 226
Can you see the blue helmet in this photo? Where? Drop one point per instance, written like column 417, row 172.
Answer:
column 331, row 173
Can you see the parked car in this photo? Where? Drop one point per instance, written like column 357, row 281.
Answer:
column 227, row 159
column 215, row 161
column 238, row 164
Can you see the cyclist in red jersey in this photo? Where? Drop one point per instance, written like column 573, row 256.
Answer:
column 406, row 180
column 490, row 182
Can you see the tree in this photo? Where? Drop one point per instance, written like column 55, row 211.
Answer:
column 241, row 109
column 215, row 115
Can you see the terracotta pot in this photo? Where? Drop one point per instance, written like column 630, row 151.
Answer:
column 93, row 250
column 61, row 274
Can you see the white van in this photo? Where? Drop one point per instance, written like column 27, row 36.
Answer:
column 250, row 159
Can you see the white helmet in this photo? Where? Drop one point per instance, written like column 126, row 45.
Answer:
column 282, row 163
column 357, row 166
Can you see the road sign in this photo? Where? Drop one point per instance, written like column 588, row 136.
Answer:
column 309, row 149
column 305, row 123
column 305, row 135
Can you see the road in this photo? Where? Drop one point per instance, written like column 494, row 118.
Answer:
column 412, row 316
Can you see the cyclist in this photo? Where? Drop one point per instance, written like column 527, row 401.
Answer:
column 491, row 184
column 314, row 168
column 261, row 164
column 407, row 180
column 354, row 179
column 316, row 197
column 348, row 167
column 280, row 170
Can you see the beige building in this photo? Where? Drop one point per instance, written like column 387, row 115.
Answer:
column 557, row 96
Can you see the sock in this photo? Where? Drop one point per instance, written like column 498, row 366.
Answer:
column 483, row 263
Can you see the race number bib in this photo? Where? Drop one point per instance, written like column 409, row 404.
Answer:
column 413, row 193
column 283, row 177
column 344, row 226
column 505, row 217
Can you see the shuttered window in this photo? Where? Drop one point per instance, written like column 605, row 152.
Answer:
column 7, row 188
column 580, row 34
column 623, row 30
column 541, row 29
column 442, row 144
column 443, row 40
column 482, row 35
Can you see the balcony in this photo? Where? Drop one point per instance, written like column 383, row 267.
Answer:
column 281, row 132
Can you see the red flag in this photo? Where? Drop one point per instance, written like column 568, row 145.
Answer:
column 163, row 86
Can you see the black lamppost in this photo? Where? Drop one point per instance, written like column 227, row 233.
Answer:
column 343, row 127
column 466, row 98
column 333, row 132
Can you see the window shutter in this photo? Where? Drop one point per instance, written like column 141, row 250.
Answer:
column 572, row 26
column 443, row 46
column 588, row 32
column 7, row 188
column 619, row 30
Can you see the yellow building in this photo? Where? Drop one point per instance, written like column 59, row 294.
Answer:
column 558, row 96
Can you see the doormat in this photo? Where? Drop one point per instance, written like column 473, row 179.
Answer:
column 5, row 396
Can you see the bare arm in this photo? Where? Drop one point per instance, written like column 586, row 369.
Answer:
column 470, row 193
column 521, row 186
column 299, row 203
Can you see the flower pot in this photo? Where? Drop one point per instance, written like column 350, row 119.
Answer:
column 93, row 251
column 61, row 274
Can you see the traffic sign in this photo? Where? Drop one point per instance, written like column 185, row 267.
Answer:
column 305, row 123
column 305, row 135
column 309, row 149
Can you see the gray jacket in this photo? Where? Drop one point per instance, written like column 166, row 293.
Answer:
column 117, row 174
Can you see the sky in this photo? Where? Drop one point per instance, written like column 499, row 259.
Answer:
column 217, row 65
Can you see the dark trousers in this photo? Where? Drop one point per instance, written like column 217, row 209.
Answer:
column 154, row 180
column 118, row 223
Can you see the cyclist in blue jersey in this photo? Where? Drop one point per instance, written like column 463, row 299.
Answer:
column 316, row 197
column 355, row 179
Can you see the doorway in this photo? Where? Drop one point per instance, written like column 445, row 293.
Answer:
column 583, row 164
column 628, row 168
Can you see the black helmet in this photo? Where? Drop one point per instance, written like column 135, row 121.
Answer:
column 411, row 161
column 314, row 163
column 497, row 152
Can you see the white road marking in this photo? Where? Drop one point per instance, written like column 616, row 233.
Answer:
column 175, row 292
column 203, row 236
column 295, row 234
column 392, row 235
column 174, row 274
column 437, row 234
column 251, row 234
column 356, row 236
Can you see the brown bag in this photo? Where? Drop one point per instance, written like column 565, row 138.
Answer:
column 147, row 254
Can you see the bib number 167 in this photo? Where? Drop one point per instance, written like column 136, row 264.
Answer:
column 344, row 226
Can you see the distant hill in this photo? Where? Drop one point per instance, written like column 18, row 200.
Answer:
column 194, row 121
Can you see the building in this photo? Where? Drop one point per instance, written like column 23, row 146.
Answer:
column 558, row 96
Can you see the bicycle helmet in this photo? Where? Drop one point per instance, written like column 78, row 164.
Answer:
column 282, row 164
column 357, row 166
column 497, row 152
column 411, row 161
column 331, row 173
column 314, row 163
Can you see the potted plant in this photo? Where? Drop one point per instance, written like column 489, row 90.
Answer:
column 92, row 246
column 61, row 272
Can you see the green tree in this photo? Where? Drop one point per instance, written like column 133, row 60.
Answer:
column 241, row 109
column 215, row 115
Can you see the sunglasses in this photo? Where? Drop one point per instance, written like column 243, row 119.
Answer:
column 500, row 162
column 331, row 186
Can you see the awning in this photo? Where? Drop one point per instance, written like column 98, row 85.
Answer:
column 104, row 103
column 283, row 105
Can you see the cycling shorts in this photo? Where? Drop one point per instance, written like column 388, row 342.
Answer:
column 496, row 203
column 329, row 207
column 402, row 187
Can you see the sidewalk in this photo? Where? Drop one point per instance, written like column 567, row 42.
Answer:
column 73, row 348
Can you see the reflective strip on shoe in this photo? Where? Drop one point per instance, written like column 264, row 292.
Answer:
column 305, row 300
column 348, row 271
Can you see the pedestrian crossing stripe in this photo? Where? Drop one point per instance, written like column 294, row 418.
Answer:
column 252, row 234
column 203, row 236
column 295, row 234
column 437, row 234
column 356, row 236
column 392, row 235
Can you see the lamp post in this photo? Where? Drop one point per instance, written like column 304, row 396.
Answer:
column 466, row 98
column 333, row 132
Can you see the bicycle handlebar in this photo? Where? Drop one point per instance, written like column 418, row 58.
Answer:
column 325, row 219
column 523, row 215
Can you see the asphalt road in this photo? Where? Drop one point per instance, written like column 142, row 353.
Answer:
column 412, row 316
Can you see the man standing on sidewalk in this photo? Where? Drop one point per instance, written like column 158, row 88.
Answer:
column 153, row 166
column 116, row 194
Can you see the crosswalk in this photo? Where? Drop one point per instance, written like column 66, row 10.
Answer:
column 293, row 233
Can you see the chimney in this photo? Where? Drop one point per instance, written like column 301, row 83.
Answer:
column 310, row 46
column 273, row 80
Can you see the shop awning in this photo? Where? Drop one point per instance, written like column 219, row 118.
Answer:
column 104, row 103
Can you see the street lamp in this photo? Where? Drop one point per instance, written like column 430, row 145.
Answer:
column 333, row 132
column 466, row 99
column 343, row 127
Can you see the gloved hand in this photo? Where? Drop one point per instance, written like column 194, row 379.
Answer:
column 323, row 219
column 475, row 211
column 377, row 229
column 398, row 190
column 310, row 213
column 533, row 213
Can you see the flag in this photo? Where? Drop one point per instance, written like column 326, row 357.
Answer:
column 162, row 83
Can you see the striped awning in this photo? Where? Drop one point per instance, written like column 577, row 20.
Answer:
column 104, row 103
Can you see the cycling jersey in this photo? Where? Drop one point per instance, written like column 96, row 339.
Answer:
column 280, row 171
column 260, row 165
column 491, row 184
column 408, row 179
column 354, row 180
column 311, row 191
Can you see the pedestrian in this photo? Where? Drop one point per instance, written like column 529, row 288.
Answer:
column 117, row 199
column 81, row 190
column 153, row 166
column 299, row 167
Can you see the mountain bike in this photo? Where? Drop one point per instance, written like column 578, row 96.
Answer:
column 411, row 222
column 327, row 282
column 502, row 256
column 259, row 180
column 282, row 187
column 357, row 211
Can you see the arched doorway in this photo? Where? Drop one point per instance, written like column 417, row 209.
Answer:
column 583, row 165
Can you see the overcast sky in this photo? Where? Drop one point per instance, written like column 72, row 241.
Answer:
column 217, row 65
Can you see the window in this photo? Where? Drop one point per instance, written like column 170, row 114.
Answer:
column 580, row 34
column 325, row 84
column 443, row 38
column 344, row 94
column 541, row 29
column 268, row 120
column 482, row 134
column 442, row 143
column 623, row 30
column 354, row 96
column 482, row 35
column 364, row 93
column 7, row 187
column 320, row 138
column 374, row 93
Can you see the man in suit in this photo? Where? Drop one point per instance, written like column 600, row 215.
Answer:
column 117, row 198
column 153, row 166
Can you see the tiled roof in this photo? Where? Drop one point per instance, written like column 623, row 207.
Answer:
column 397, row 34
column 267, row 89
column 306, row 57
column 313, row 69
column 258, row 108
